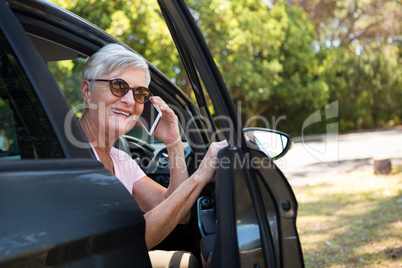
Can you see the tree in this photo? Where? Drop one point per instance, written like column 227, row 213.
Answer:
column 343, row 22
column 368, row 87
column 358, row 42
column 265, row 55
column 137, row 23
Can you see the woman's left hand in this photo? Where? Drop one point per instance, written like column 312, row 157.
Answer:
column 167, row 130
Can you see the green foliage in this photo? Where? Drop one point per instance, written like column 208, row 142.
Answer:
column 266, row 59
column 68, row 75
column 368, row 87
column 139, row 24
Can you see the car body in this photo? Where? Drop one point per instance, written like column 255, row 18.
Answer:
column 60, row 206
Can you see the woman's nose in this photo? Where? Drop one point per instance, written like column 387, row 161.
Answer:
column 128, row 98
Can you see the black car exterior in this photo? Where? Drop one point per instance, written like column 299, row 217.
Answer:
column 60, row 207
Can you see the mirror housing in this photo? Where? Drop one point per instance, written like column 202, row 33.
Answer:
column 273, row 143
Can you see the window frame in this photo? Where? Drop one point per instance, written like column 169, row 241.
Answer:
column 45, row 87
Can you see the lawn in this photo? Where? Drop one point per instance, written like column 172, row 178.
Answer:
column 354, row 221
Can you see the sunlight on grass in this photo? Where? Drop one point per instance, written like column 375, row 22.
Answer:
column 354, row 222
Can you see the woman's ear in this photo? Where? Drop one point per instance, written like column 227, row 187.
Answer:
column 86, row 90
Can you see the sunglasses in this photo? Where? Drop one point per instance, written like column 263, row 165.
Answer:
column 119, row 88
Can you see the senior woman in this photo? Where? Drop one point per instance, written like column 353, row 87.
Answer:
column 114, row 89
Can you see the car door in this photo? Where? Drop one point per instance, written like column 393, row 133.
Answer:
column 58, row 204
column 255, row 206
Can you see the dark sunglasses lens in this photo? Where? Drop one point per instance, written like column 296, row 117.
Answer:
column 119, row 87
column 142, row 94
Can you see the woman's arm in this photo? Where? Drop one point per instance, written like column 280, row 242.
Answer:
column 178, row 172
column 169, row 133
column 149, row 193
column 161, row 220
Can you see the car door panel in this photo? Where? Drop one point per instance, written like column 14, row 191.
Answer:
column 237, row 241
column 225, row 251
column 281, row 207
column 74, row 213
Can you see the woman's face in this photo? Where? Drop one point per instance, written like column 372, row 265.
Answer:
column 116, row 115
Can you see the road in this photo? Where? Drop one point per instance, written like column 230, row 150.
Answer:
column 320, row 159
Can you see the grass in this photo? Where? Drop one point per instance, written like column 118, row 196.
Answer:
column 356, row 221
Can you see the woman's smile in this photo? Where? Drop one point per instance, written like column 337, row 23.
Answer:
column 121, row 112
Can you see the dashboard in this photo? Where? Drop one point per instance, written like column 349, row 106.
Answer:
column 153, row 158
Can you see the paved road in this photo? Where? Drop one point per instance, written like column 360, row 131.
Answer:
column 319, row 159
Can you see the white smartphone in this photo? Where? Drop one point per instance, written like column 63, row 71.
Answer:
column 150, row 117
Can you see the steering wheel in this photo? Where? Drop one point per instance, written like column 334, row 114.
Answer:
column 122, row 144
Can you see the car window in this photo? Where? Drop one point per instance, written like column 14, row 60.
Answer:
column 68, row 75
column 25, row 130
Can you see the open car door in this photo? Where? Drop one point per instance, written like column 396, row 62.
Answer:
column 250, row 219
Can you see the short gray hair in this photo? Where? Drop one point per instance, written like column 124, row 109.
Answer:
column 112, row 57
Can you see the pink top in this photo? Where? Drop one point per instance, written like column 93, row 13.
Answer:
column 125, row 168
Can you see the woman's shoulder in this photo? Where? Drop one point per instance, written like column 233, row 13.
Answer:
column 119, row 154
column 125, row 166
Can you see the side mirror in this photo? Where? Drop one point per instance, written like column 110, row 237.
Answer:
column 273, row 143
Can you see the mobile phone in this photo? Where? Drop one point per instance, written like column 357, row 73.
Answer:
column 150, row 117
